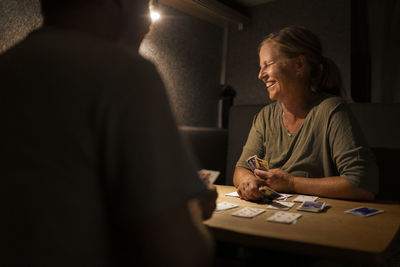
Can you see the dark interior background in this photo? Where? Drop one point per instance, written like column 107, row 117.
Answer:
column 188, row 51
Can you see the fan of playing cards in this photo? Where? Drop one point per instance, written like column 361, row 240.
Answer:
column 257, row 163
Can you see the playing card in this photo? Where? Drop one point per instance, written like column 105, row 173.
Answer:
column 281, row 205
column 257, row 163
column 284, row 196
column 209, row 176
column 232, row 194
column 284, row 217
column 252, row 162
column 312, row 206
column 302, row 198
column 248, row 212
column 364, row 211
column 268, row 193
column 225, row 206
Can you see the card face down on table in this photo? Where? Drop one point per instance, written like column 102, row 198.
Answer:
column 364, row 211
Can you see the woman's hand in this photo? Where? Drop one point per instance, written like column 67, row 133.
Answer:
column 276, row 179
column 248, row 188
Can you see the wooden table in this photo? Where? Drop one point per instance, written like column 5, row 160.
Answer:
column 331, row 233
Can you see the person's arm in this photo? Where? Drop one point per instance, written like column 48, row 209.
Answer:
column 207, row 202
column 173, row 237
column 334, row 187
column 354, row 162
column 247, row 184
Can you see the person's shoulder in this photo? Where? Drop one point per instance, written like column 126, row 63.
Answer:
column 270, row 107
column 106, row 59
column 271, row 110
column 330, row 102
column 267, row 112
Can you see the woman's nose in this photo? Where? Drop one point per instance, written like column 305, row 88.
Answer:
column 261, row 74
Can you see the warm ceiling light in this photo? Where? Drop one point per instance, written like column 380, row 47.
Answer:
column 154, row 13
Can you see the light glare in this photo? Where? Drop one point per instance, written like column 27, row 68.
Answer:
column 155, row 15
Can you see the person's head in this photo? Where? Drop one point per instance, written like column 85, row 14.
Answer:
column 301, row 47
column 126, row 21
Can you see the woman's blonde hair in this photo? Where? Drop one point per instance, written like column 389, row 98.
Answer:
column 295, row 41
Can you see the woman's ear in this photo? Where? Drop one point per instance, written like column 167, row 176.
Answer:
column 301, row 62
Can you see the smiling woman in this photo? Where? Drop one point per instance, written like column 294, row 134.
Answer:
column 278, row 71
column 308, row 136
column 323, row 73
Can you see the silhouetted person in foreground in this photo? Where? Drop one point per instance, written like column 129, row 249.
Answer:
column 93, row 172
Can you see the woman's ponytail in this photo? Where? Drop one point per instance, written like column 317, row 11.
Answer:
column 331, row 79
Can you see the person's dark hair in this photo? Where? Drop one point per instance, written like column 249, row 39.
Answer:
column 52, row 6
column 295, row 41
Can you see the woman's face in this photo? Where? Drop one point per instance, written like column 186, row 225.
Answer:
column 277, row 71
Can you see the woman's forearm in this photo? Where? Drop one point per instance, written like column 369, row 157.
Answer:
column 240, row 175
column 334, row 187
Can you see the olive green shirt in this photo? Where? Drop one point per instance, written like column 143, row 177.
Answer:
column 329, row 143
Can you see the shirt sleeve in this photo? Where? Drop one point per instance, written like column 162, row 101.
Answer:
column 147, row 166
column 255, row 141
column 355, row 162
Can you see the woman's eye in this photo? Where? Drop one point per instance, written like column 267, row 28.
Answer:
column 266, row 65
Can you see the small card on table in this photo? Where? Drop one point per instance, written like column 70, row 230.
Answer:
column 248, row 212
column 225, row 206
column 284, row 217
column 280, row 205
column 284, row 196
column 302, row 198
column 313, row 206
column 232, row 194
column 364, row 211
